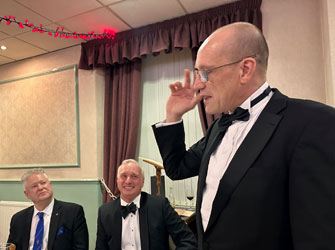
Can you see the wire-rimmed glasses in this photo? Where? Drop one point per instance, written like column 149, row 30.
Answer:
column 203, row 73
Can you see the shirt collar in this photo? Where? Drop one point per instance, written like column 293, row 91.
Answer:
column 136, row 201
column 247, row 103
column 47, row 210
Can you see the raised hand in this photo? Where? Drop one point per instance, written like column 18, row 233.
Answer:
column 182, row 99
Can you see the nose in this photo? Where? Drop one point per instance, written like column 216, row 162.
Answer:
column 198, row 84
column 128, row 179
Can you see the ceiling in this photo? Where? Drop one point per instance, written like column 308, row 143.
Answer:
column 82, row 16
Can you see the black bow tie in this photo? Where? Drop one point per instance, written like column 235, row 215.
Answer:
column 226, row 120
column 125, row 210
column 240, row 113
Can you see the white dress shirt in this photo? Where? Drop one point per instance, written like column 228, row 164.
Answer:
column 131, row 239
column 46, row 219
column 221, row 157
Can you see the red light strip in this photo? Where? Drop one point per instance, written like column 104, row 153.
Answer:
column 59, row 32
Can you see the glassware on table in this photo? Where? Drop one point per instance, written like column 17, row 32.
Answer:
column 172, row 198
column 190, row 195
column 7, row 246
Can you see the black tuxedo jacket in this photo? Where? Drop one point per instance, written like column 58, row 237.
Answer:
column 278, row 192
column 68, row 229
column 158, row 220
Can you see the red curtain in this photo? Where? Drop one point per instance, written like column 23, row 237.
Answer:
column 121, row 115
column 121, row 57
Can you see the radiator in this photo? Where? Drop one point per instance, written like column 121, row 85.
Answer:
column 7, row 209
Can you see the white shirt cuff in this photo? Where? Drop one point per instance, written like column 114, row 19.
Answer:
column 164, row 124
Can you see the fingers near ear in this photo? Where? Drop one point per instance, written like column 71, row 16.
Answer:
column 178, row 85
column 172, row 87
column 187, row 77
column 197, row 99
column 175, row 86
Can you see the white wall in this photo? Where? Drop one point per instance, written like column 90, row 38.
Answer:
column 296, row 63
column 328, row 31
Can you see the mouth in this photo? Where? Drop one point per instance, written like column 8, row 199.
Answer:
column 44, row 193
column 128, row 188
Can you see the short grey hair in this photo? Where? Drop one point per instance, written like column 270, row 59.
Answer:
column 31, row 172
column 127, row 161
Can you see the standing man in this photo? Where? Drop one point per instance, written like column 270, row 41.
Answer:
column 50, row 224
column 137, row 220
column 267, row 167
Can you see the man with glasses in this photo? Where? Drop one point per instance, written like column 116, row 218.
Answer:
column 267, row 167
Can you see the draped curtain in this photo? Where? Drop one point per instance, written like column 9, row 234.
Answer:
column 121, row 118
column 122, row 55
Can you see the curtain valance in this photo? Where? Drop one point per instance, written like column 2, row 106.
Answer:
column 183, row 32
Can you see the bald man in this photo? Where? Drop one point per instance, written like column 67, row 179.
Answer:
column 267, row 167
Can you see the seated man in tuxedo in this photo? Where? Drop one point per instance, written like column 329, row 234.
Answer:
column 49, row 224
column 137, row 220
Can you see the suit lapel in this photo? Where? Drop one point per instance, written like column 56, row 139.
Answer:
column 116, row 225
column 204, row 164
column 54, row 223
column 203, row 173
column 27, row 225
column 247, row 153
column 144, row 230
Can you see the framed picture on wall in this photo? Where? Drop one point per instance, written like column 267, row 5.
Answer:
column 39, row 120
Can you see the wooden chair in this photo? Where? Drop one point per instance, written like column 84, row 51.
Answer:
column 190, row 221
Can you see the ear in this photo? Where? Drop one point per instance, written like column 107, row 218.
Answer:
column 26, row 193
column 247, row 69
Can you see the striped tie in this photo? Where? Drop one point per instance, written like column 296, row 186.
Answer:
column 39, row 232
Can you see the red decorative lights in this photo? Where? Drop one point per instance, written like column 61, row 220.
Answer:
column 59, row 32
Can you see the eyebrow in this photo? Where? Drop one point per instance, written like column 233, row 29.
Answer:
column 202, row 67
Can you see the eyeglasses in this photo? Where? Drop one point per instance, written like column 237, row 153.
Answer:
column 203, row 74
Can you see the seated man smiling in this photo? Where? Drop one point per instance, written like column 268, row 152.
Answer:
column 138, row 220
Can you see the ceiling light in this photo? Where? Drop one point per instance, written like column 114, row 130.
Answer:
column 3, row 47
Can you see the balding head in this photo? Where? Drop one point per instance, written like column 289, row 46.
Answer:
column 233, row 63
column 238, row 40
